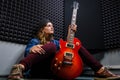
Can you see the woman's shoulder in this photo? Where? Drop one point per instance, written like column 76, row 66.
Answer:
column 35, row 40
column 55, row 41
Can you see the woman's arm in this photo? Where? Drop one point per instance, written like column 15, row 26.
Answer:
column 30, row 44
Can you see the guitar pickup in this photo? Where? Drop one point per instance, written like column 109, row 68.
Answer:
column 70, row 45
column 68, row 58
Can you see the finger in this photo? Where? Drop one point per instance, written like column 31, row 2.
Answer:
column 39, row 46
column 33, row 51
column 38, row 51
column 42, row 51
column 74, row 28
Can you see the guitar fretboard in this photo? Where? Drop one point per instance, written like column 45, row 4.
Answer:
column 71, row 33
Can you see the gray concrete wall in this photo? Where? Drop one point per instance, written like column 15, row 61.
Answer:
column 10, row 53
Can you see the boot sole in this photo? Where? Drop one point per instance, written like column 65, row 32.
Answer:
column 109, row 78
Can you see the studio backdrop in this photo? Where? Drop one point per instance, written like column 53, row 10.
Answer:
column 98, row 20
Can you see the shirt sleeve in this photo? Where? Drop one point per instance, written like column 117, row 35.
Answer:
column 30, row 44
column 56, row 42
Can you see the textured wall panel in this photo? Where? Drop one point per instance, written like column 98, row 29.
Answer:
column 89, row 29
column 19, row 18
column 111, row 23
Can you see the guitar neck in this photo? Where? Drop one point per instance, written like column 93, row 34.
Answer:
column 74, row 14
column 71, row 33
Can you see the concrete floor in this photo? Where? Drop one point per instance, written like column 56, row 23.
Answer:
column 78, row 78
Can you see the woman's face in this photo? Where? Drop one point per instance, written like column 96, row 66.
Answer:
column 49, row 29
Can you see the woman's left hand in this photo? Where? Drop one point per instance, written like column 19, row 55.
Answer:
column 73, row 27
column 37, row 49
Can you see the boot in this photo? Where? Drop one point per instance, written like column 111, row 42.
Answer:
column 16, row 72
column 105, row 73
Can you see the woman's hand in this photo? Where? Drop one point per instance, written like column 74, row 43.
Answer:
column 37, row 49
column 73, row 27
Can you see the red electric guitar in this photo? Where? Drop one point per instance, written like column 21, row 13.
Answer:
column 67, row 63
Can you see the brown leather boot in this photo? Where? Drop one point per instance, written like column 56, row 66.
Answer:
column 105, row 73
column 16, row 72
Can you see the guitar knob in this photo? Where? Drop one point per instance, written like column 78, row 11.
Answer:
column 56, row 59
column 60, row 62
column 59, row 68
column 77, row 43
column 55, row 65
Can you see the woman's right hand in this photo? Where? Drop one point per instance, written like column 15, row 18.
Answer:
column 37, row 49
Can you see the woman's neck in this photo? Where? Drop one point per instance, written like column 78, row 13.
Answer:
column 49, row 37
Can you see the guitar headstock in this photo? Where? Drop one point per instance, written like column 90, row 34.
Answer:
column 75, row 5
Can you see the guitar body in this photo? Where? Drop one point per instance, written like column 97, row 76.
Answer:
column 67, row 63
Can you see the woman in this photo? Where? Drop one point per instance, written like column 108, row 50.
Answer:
column 41, row 50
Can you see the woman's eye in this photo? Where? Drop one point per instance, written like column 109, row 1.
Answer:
column 49, row 25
